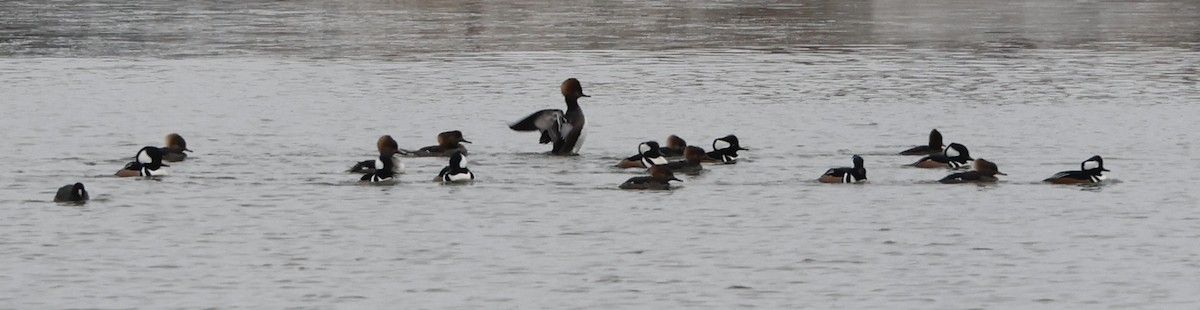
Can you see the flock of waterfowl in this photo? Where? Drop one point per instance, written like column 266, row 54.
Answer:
column 565, row 131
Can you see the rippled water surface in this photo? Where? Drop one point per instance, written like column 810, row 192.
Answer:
column 278, row 98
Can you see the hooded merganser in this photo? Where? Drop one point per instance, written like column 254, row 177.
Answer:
column 955, row 156
column 1090, row 171
column 725, row 150
column 456, row 171
column 692, row 157
column 934, row 147
column 449, row 143
column 675, row 147
column 147, row 162
column 384, row 144
column 385, row 169
column 565, row 130
column 985, row 172
column 649, row 155
column 71, row 193
column 174, row 151
column 846, row 174
column 660, row 178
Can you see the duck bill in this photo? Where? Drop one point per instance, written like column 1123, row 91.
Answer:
column 464, row 141
column 676, row 179
column 1001, row 173
column 187, row 150
column 582, row 95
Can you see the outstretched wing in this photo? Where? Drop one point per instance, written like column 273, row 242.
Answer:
column 549, row 121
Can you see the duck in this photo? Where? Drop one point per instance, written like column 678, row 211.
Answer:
column 385, row 143
column 955, row 156
column 1090, row 171
column 725, row 150
column 564, row 129
column 147, row 163
column 846, row 174
column 675, row 147
column 649, row 155
column 174, row 151
column 456, row 171
column 71, row 193
column 384, row 169
column 449, row 143
column 692, row 157
column 934, row 147
column 985, row 172
column 659, row 179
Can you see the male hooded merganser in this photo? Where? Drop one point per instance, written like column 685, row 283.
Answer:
column 934, row 147
column 384, row 144
column 147, row 162
column 649, row 155
column 985, row 171
column 457, row 170
column 174, row 151
column 660, row 178
column 385, row 169
column 1090, row 171
column 846, row 174
column 565, row 130
column 692, row 157
column 955, row 156
column 675, row 147
column 71, row 193
column 449, row 143
column 725, row 150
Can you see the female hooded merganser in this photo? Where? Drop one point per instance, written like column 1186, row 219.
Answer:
column 565, row 130
column 955, row 156
column 457, row 170
column 71, row 193
column 174, row 151
column 649, row 155
column 147, row 162
column 985, row 172
column 660, row 178
column 449, row 143
column 675, row 147
column 934, row 147
column 692, row 157
column 725, row 150
column 384, row 144
column 385, row 169
column 846, row 174
column 1090, row 171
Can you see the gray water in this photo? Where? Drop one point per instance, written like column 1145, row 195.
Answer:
column 278, row 97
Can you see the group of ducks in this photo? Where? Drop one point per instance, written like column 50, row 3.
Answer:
column 565, row 131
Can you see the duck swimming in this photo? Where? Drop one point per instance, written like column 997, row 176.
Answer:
column 934, row 147
column 564, row 130
column 659, row 179
column 174, row 151
column 692, row 157
column 384, row 144
column 1090, row 171
column 449, row 143
column 725, row 150
column 649, row 155
column 846, row 174
column 147, row 162
column 675, row 147
column 384, row 169
column 456, row 171
column 71, row 193
column 955, row 156
column 985, row 172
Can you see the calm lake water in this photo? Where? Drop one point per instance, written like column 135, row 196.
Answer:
column 277, row 98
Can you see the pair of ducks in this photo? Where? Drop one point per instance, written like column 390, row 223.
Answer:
column 955, row 156
column 387, row 166
column 147, row 162
column 662, row 170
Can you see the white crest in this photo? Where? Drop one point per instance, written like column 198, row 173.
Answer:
column 643, row 148
column 462, row 162
column 143, row 157
column 1091, row 164
column 951, row 152
column 378, row 164
column 720, row 145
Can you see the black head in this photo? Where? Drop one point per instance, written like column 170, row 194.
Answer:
column 1094, row 163
column 150, row 156
column 458, row 161
column 650, row 148
column 729, row 143
column 956, row 150
column 935, row 139
column 858, row 161
column 79, row 191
